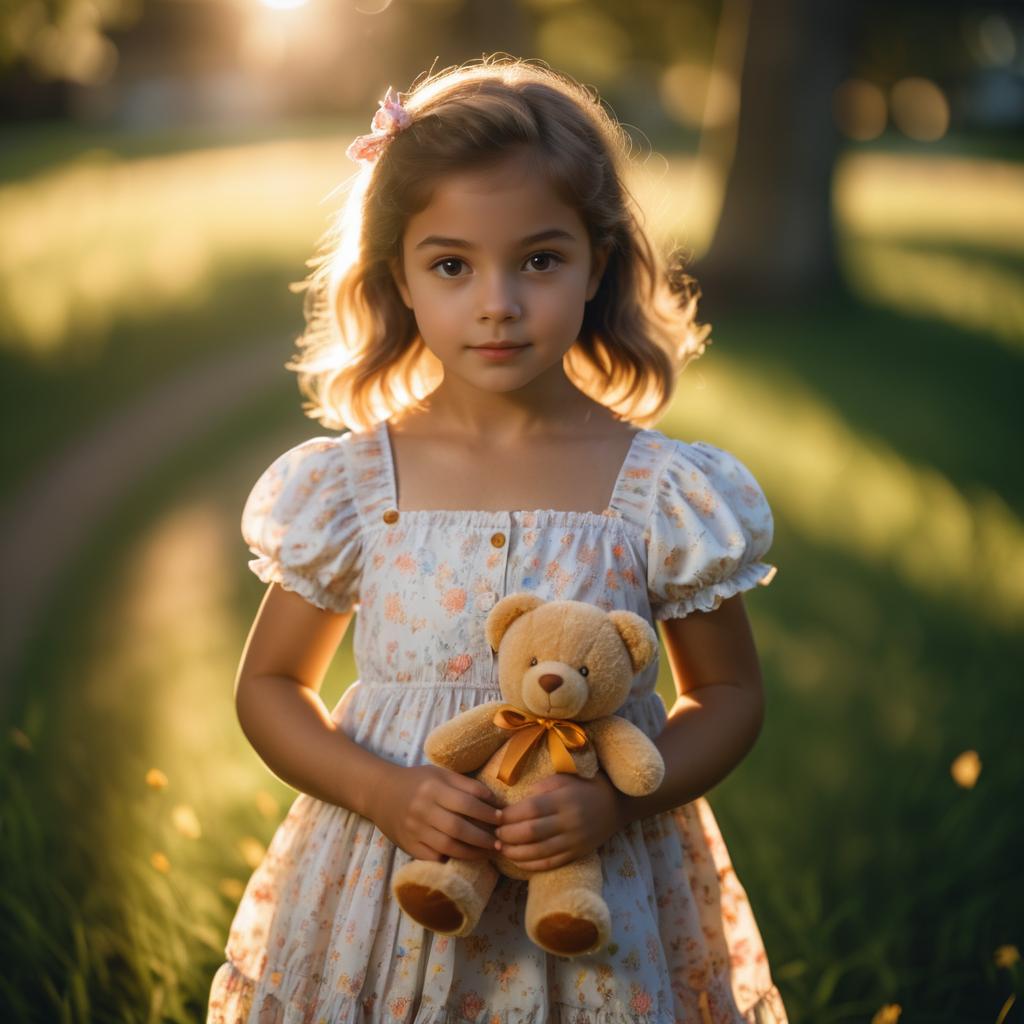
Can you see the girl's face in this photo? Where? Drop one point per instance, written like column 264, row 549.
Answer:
column 497, row 256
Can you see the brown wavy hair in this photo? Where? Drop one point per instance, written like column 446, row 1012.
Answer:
column 361, row 356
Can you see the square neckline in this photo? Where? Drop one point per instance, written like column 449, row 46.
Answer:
column 611, row 511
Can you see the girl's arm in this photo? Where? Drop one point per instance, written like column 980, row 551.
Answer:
column 423, row 809
column 280, row 710
column 719, row 712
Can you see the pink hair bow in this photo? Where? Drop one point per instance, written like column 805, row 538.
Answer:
column 387, row 122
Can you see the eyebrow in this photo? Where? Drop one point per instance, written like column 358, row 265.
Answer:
column 461, row 243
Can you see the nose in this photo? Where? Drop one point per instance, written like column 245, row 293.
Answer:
column 550, row 683
column 499, row 302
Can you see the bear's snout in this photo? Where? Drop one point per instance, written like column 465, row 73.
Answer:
column 549, row 683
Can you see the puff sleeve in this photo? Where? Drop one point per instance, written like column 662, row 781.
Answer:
column 710, row 527
column 301, row 522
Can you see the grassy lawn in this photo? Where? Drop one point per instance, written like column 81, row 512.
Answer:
column 882, row 429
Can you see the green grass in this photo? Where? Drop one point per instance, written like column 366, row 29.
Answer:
column 875, row 878
column 138, row 677
column 38, row 147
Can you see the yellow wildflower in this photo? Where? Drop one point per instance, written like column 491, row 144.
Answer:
column 888, row 1014
column 966, row 768
column 1007, row 956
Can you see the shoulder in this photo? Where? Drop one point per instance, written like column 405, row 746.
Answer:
column 315, row 454
column 703, row 487
column 726, row 470
column 317, row 465
column 709, row 530
column 701, row 462
column 301, row 522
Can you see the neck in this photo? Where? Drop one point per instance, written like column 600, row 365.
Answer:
column 551, row 404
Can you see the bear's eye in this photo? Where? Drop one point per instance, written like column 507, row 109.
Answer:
column 533, row 661
column 584, row 671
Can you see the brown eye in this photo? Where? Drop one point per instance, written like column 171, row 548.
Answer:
column 533, row 661
column 584, row 671
column 553, row 259
column 451, row 262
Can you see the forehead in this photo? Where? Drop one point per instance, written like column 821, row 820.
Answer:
column 495, row 205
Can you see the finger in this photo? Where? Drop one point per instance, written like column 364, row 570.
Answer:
column 521, row 810
column 463, row 830
column 420, row 851
column 462, row 802
column 547, row 863
column 445, row 844
column 487, row 813
column 531, row 831
column 474, row 787
column 525, row 810
column 448, row 817
column 536, row 854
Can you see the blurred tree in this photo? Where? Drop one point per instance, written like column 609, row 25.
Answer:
column 774, row 239
column 63, row 39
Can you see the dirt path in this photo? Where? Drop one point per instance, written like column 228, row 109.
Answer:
column 43, row 525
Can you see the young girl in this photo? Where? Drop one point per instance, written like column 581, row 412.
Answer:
column 497, row 333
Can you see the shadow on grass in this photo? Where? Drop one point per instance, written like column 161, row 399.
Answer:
column 940, row 395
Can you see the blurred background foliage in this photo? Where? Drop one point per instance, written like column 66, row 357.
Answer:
column 846, row 180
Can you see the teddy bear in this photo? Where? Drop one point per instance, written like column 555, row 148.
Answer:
column 564, row 668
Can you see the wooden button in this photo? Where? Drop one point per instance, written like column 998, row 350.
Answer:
column 391, row 515
column 498, row 539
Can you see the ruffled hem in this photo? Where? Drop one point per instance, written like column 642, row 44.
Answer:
column 232, row 994
column 269, row 570
column 769, row 1009
column 708, row 598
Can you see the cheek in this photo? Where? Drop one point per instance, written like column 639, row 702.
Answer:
column 431, row 306
column 561, row 309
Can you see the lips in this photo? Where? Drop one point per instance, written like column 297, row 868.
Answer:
column 498, row 345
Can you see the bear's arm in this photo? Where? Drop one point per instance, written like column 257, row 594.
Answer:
column 628, row 757
column 465, row 742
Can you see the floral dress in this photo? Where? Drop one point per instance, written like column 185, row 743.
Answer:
column 317, row 935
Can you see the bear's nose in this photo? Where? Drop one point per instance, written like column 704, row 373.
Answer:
column 550, row 682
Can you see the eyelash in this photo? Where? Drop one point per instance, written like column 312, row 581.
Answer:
column 457, row 259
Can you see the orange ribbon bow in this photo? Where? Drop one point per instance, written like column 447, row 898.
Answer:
column 527, row 730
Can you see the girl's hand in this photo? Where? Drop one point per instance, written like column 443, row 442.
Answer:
column 422, row 808
column 564, row 818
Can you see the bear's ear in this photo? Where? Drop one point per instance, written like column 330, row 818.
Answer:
column 505, row 612
column 639, row 637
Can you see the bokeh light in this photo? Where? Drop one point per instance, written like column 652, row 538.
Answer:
column 697, row 94
column 859, row 109
column 919, row 108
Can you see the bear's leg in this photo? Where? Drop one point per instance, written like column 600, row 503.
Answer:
column 565, row 911
column 447, row 898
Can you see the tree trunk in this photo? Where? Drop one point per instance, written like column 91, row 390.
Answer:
column 774, row 240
